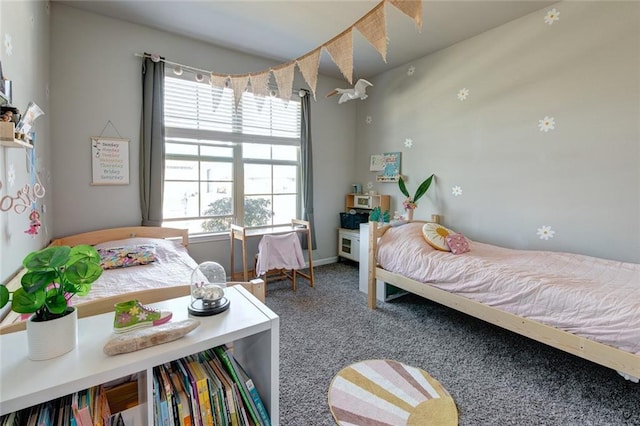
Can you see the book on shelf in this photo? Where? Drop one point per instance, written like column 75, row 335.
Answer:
column 192, row 391
column 182, row 399
column 167, row 388
column 224, row 355
column 247, row 383
column 221, row 416
column 227, row 385
column 202, row 386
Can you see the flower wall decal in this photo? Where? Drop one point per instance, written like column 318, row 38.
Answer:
column 411, row 70
column 408, row 142
column 545, row 232
column 463, row 93
column 456, row 191
column 369, row 185
column 11, row 175
column 546, row 124
column 369, row 119
column 8, row 45
column 552, row 16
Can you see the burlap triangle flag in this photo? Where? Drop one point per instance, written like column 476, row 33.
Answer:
column 308, row 65
column 411, row 8
column 284, row 79
column 260, row 83
column 341, row 51
column 373, row 27
column 218, row 80
column 239, row 84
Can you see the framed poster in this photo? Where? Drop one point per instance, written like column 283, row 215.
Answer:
column 391, row 169
column 109, row 161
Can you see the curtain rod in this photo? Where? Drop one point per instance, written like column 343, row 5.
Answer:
column 187, row 67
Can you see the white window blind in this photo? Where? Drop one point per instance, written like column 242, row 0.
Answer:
column 229, row 165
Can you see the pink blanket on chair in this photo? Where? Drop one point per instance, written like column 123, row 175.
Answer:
column 279, row 252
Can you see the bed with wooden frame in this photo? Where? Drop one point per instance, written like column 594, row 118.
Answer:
column 178, row 285
column 626, row 363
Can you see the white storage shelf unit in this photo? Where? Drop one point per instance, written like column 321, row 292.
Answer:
column 349, row 244
column 251, row 327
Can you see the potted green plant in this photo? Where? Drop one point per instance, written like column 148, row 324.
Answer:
column 410, row 203
column 53, row 275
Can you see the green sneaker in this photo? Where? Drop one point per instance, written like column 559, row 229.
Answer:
column 132, row 315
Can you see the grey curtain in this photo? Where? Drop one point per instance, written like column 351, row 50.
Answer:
column 152, row 142
column 307, row 170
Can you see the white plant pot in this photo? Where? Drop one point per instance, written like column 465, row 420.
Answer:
column 49, row 339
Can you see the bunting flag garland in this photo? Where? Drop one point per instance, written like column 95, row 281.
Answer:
column 411, row 8
column 308, row 66
column 239, row 85
column 284, row 79
column 260, row 84
column 373, row 28
column 217, row 80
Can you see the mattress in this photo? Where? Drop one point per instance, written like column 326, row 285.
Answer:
column 594, row 298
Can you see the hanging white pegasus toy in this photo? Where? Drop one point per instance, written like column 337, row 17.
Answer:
column 359, row 91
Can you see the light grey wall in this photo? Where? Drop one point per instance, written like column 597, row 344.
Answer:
column 96, row 78
column 27, row 25
column 582, row 178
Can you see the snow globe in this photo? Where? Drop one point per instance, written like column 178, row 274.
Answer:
column 208, row 284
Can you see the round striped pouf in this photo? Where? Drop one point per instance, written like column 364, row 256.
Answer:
column 384, row 392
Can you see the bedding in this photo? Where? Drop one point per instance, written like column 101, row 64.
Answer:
column 171, row 266
column 595, row 298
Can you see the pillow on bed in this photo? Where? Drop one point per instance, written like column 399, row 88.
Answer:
column 122, row 257
column 457, row 243
column 436, row 235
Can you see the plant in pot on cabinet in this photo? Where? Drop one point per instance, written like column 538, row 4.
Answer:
column 53, row 275
column 410, row 203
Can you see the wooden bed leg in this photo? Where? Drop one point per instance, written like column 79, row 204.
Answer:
column 371, row 279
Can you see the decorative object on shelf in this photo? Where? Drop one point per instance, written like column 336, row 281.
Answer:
column 410, row 203
column 147, row 337
column 359, row 91
column 208, row 284
column 25, row 125
column 377, row 215
column 133, row 315
column 53, row 275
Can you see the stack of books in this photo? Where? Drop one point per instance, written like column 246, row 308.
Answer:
column 209, row 389
column 89, row 407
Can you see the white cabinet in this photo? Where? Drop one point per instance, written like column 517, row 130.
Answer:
column 252, row 328
column 349, row 244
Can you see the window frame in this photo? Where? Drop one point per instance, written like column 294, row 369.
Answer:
column 237, row 142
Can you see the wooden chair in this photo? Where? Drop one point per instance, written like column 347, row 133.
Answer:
column 154, row 295
column 278, row 273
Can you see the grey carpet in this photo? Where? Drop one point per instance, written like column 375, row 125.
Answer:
column 496, row 377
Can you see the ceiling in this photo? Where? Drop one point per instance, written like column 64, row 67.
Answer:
column 285, row 30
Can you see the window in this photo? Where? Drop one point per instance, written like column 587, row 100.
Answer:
column 225, row 165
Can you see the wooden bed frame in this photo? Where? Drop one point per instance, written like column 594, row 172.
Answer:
column 608, row 356
column 255, row 286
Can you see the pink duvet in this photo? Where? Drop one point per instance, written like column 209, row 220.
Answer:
column 595, row 298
